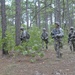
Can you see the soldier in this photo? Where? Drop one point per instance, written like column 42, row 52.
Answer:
column 71, row 38
column 24, row 35
column 57, row 34
column 44, row 37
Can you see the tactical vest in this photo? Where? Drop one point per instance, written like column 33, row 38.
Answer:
column 44, row 35
column 56, row 31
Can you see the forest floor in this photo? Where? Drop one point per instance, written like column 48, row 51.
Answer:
column 48, row 65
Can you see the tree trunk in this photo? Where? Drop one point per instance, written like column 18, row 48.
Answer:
column 68, row 14
column 63, row 14
column 3, row 21
column 38, row 15
column 51, row 18
column 57, row 11
column 35, row 13
column 18, row 21
column 46, row 16
column 72, row 14
column 51, row 15
column 27, row 18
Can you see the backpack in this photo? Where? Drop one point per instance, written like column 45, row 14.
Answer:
column 25, row 35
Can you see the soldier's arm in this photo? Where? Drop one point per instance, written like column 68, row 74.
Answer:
column 42, row 36
column 21, row 37
column 52, row 33
column 61, row 32
column 27, row 35
column 46, row 35
column 69, row 37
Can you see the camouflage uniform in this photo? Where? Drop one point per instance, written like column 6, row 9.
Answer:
column 24, row 35
column 57, row 34
column 44, row 37
column 70, row 38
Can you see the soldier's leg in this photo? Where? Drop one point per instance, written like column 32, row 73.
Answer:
column 61, row 44
column 70, row 44
column 25, row 43
column 43, row 44
column 60, row 47
column 73, row 45
column 59, row 54
column 56, row 48
column 46, row 44
column 55, row 45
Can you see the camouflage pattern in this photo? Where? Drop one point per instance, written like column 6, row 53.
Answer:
column 70, row 38
column 24, row 36
column 57, row 34
column 44, row 37
column 72, row 41
column 70, row 33
column 57, row 23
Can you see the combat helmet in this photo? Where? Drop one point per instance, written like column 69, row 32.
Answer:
column 57, row 23
column 44, row 29
column 71, row 28
column 22, row 28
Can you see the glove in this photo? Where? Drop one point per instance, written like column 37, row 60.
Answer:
column 42, row 38
column 57, row 35
column 46, row 38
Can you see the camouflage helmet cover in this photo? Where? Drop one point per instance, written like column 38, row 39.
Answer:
column 44, row 29
column 71, row 28
column 74, row 31
column 57, row 23
column 22, row 28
